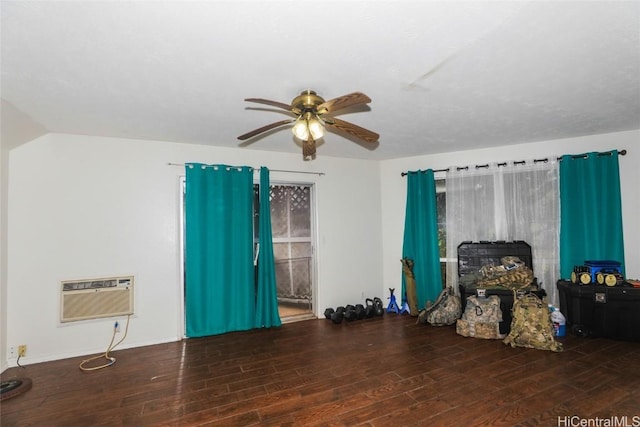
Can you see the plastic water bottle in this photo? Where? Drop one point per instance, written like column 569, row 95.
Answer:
column 559, row 322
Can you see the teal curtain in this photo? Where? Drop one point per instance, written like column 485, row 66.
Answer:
column 421, row 236
column 219, row 273
column 267, row 297
column 590, row 210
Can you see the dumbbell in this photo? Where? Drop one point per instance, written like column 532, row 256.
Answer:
column 350, row 314
column 337, row 316
column 360, row 311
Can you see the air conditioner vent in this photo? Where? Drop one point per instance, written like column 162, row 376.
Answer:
column 96, row 298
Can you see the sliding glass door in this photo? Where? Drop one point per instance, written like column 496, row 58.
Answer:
column 292, row 230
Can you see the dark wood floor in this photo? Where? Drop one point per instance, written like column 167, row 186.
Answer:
column 374, row 372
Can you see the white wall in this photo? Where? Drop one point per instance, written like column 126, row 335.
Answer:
column 15, row 128
column 82, row 206
column 393, row 188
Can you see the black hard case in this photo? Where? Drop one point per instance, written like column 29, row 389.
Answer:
column 601, row 311
column 473, row 255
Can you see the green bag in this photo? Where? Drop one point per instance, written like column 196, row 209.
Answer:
column 511, row 273
column 444, row 311
column 481, row 318
column 531, row 325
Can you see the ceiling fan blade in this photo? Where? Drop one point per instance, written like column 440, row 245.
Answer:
column 308, row 149
column 344, row 101
column 264, row 129
column 357, row 131
column 269, row 102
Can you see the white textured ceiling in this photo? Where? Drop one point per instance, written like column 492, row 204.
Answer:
column 443, row 76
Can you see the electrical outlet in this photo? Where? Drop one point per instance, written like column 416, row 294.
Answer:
column 22, row 350
column 12, row 352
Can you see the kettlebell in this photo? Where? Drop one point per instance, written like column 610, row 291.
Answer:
column 377, row 306
column 328, row 312
column 336, row 317
column 369, row 310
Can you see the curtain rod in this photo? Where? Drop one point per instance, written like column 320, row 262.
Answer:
column 522, row 162
column 270, row 170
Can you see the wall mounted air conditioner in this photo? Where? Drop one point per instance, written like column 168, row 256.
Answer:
column 95, row 298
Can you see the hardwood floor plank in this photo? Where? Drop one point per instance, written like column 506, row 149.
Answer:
column 351, row 415
column 416, row 414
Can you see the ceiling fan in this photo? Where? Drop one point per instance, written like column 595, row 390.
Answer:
column 312, row 114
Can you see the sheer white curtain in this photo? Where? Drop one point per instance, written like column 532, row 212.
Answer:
column 512, row 202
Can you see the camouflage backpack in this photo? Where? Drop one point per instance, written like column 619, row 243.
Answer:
column 512, row 273
column 481, row 318
column 444, row 311
column 531, row 326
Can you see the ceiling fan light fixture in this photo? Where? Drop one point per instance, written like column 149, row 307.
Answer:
column 301, row 129
column 305, row 126
column 315, row 128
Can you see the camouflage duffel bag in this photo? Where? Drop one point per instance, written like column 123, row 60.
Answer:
column 444, row 311
column 481, row 318
column 511, row 273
